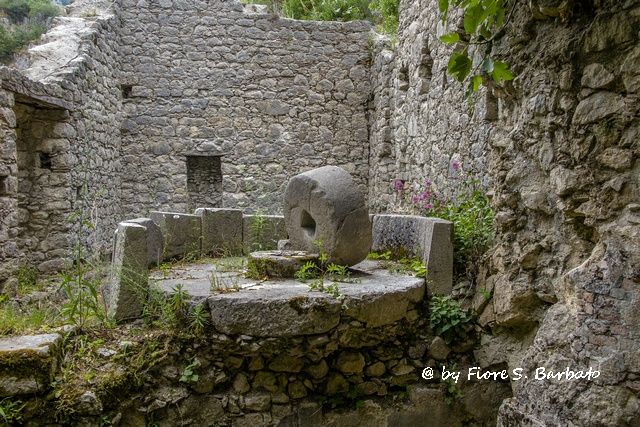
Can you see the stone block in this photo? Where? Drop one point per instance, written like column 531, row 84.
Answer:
column 28, row 363
column 324, row 206
column 403, row 235
column 182, row 234
column 438, row 256
column 128, row 285
column 221, row 231
column 262, row 232
column 155, row 243
column 430, row 239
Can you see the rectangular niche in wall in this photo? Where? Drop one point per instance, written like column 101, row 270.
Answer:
column 204, row 180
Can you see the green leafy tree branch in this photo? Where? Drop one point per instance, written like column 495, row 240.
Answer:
column 483, row 22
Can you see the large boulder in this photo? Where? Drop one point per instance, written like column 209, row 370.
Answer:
column 324, row 209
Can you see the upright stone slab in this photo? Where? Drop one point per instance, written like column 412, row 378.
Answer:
column 181, row 233
column 28, row 363
column 324, row 206
column 155, row 243
column 438, row 256
column 403, row 235
column 430, row 239
column 262, row 232
column 129, row 282
column 221, row 231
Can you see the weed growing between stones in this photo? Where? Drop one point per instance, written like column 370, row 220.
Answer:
column 11, row 411
column 258, row 229
column 27, row 277
column 317, row 273
column 449, row 320
column 188, row 373
column 223, row 284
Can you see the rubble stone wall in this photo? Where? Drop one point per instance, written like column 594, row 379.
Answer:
column 423, row 120
column 60, row 161
column 276, row 96
column 558, row 151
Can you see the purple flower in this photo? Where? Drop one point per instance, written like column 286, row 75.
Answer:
column 398, row 185
column 455, row 165
column 428, row 182
column 428, row 206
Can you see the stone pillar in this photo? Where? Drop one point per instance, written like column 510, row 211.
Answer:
column 129, row 282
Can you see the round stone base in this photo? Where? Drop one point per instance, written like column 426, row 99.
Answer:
column 278, row 264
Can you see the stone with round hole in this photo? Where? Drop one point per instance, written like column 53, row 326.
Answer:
column 325, row 210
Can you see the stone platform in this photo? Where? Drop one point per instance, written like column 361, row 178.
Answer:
column 287, row 307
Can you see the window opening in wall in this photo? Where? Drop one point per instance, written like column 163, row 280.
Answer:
column 126, row 91
column 204, row 180
column 3, row 186
column 45, row 161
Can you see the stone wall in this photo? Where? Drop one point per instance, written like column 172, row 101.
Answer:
column 430, row 123
column 276, row 96
column 62, row 144
column 559, row 151
column 8, row 188
column 565, row 172
column 381, row 137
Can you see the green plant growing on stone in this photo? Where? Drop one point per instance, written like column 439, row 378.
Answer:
column 380, row 256
column 229, row 264
column 188, row 373
column 158, row 308
column 484, row 22
column 308, row 271
column 27, row 277
column 452, row 392
column 11, row 411
column 17, row 320
column 258, row 229
column 198, row 319
column 165, row 268
column 469, row 210
column 448, row 319
column 179, row 299
column 485, row 294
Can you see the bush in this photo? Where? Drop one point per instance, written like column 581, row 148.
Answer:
column 327, row 10
column 382, row 13
column 387, row 15
column 29, row 19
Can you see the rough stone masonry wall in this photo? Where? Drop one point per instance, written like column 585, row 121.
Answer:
column 76, row 63
column 564, row 162
column 277, row 96
column 8, row 188
column 559, row 149
column 561, row 156
column 429, row 123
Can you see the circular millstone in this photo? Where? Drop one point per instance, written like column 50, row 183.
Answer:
column 283, row 264
column 324, row 208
